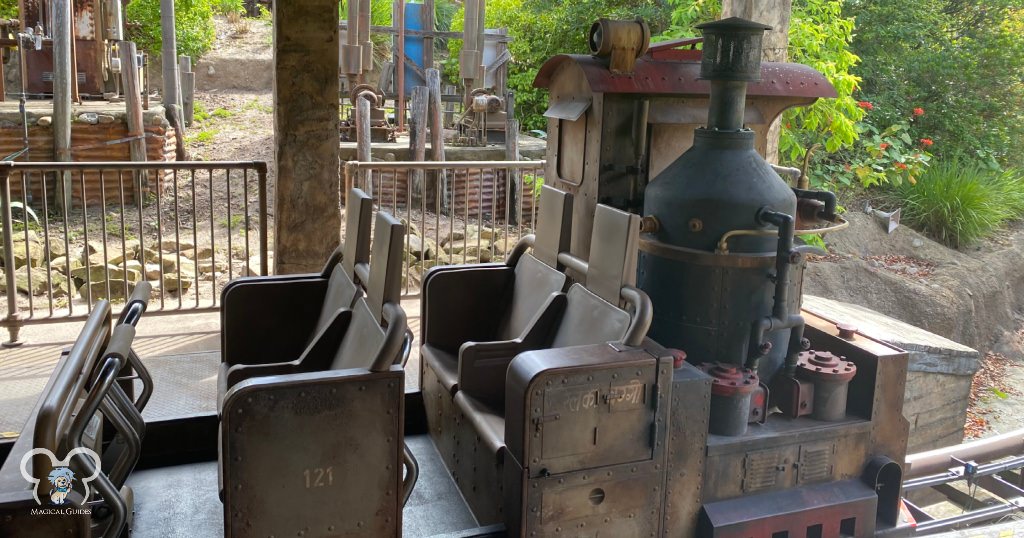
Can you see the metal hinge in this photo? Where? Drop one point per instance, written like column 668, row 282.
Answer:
column 538, row 421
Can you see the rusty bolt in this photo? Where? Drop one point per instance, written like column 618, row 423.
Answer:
column 794, row 257
column 696, row 225
column 765, row 348
column 649, row 224
column 846, row 331
column 805, row 344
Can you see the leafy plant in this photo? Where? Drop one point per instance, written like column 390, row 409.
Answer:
column 221, row 113
column 8, row 9
column 961, row 60
column 960, row 203
column 193, row 25
column 879, row 157
column 227, row 7
column 203, row 137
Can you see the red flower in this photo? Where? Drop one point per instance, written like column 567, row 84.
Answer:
column 883, row 145
column 919, row 111
column 926, row 142
column 865, row 105
column 847, row 167
column 901, row 166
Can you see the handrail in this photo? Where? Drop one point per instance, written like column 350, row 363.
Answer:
column 56, row 411
column 442, row 165
column 132, row 165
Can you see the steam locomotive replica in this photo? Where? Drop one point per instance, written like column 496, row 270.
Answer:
column 638, row 367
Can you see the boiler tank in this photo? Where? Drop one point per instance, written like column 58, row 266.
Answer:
column 709, row 255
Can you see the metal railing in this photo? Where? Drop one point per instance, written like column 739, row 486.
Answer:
column 187, row 227
column 455, row 212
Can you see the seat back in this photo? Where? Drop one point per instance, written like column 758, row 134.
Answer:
column 342, row 289
column 378, row 321
column 537, row 276
column 593, row 312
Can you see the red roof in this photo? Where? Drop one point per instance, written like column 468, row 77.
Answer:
column 679, row 77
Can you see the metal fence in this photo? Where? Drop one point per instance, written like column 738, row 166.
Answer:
column 74, row 233
column 455, row 212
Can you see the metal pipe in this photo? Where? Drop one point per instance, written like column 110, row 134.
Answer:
column 400, row 26
column 727, row 104
column 938, row 460
column 62, row 91
column 169, row 62
column 364, row 36
column 11, row 321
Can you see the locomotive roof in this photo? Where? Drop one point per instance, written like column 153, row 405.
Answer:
column 677, row 72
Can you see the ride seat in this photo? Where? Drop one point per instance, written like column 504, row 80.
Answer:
column 260, row 321
column 488, row 308
column 371, row 334
column 593, row 314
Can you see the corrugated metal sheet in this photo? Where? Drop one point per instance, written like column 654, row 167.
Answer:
column 485, row 194
column 88, row 143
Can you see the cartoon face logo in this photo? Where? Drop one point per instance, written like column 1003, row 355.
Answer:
column 61, row 478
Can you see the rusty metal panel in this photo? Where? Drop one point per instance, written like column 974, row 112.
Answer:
column 770, row 456
column 576, row 426
column 622, row 500
column 285, row 474
column 39, row 64
column 844, row 508
column 688, row 433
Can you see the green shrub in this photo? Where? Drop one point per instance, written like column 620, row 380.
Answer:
column 227, row 7
column 959, row 203
column 8, row 9
column 193, row 26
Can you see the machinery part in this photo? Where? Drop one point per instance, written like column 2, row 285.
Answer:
column 623, row 41
column 731, row 391
column 831, row 377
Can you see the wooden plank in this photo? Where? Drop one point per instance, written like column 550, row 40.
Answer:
column 363, row 140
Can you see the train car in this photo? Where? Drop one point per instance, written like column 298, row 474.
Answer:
column 638, row 367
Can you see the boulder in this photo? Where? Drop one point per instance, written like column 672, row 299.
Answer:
column 25, row 253
column 171, row 284
column 203, row 253
column 452, row 236
column 170, row 245
column 118, row 290
column 410, row 227
column 98, row 273
column 39, row 283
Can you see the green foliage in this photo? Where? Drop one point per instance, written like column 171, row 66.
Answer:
column 819, row 36
column 542, row 29
column 220, row 113
column 199, row 112
column 961, row 203
column 227, row 7
column 878, row 157
column 193, row 26
column 961, row 60
column 204, row 136
column 8, row 9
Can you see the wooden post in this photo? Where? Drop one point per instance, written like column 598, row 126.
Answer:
column 428, row 40
column 418, row 121
column 188, row 88
column 169, row 60
column 133, row 108
column 363, row 139
column 74, row 58
column 437, row 131
column 62, row 92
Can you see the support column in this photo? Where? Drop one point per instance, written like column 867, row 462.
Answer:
column 775, row 13
column 307, row 217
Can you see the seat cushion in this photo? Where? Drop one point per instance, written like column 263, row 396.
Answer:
column 589, row 319
column 488, row 422
column 445, row 366
column 535, row 281
column 362, row 342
